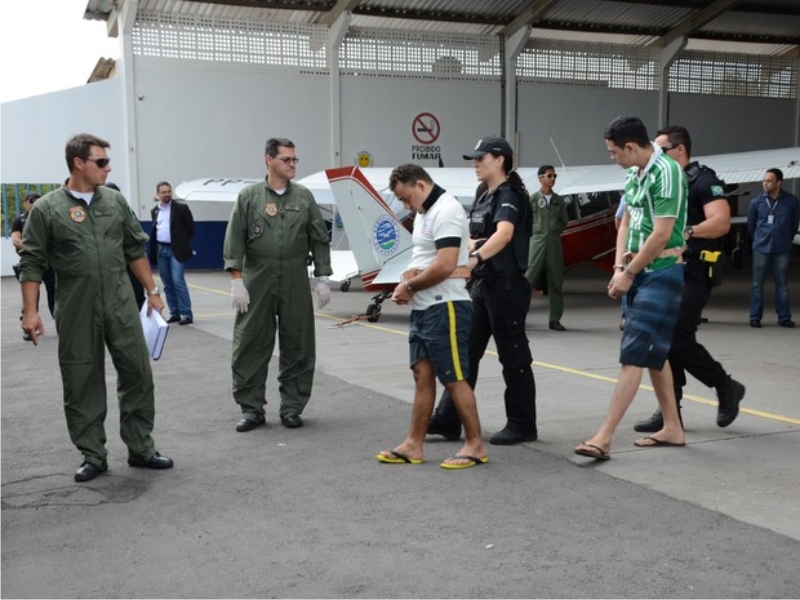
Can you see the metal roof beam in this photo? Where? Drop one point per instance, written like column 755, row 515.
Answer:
column 695, row 22
column 266, row 4
column 529, row 16
column 341, row 7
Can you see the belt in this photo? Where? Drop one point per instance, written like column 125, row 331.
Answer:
column 677, row 251
column 163, row 244
column 459, row 273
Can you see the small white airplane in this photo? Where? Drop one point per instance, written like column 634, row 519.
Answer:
column 382, row 245
column 592, row 191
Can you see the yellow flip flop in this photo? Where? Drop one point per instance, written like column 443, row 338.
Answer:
column 473, row 461
column 398, row 459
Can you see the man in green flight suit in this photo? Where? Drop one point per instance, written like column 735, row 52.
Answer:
column 274, row 226
column 88, row 233
column 546, row 255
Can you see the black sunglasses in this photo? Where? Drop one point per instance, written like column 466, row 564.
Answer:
column 670, row 147
column 100, row 162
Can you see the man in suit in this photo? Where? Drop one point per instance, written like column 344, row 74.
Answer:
column 171, row 248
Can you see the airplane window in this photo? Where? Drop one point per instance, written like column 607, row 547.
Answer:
column 596, row 202
column 573, row 210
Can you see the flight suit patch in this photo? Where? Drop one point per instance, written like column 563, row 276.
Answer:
column 271, row 210
column 293, row 207
column 542, row 202
column 257, row 229
column 77, row 214
column 103, row 212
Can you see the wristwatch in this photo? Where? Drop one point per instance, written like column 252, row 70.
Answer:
column 154, row 292
column 688, row 232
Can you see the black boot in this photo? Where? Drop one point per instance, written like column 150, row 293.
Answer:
column 730, row 393
column 448, row 431
column 655, row 422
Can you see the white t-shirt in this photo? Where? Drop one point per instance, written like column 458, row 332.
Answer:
column 445, row 219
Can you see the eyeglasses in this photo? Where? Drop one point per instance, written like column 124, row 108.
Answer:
column 670, row 147
column 102, row 163
column 288, row 160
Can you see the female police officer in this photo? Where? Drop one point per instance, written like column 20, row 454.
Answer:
column 500, row 230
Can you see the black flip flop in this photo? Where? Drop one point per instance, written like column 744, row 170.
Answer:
column 599, row 455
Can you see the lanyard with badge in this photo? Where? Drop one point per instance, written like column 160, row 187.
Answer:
column 771, row 207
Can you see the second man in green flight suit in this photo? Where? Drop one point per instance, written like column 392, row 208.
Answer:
column 274, row 226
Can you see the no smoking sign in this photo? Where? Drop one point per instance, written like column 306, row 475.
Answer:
column 425, row 128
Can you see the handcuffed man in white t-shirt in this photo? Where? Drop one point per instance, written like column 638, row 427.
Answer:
column 441, row 315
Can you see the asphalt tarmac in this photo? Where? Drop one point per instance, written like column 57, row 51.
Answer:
column 310, row 513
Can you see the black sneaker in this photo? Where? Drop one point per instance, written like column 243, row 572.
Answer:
column 654, row 423
column 729, row 394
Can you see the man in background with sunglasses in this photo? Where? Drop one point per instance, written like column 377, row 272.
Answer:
column 546, row 256
column 87, row 232
column 274, row 226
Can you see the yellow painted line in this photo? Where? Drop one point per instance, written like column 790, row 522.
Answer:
column 363, row 324
column 698, row 399
column 749, row 411
column 552, row 367
column 212, row 290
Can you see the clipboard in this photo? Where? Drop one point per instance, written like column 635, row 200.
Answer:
column 155, row 331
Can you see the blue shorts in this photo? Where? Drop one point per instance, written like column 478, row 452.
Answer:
column 653, row 303
column 441, row 333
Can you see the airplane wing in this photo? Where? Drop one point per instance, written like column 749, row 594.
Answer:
column 734, row 168
column 749, row 167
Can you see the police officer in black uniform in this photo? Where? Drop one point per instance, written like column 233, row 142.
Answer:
column 48, row 277
column 500, row 231
column 708, row 221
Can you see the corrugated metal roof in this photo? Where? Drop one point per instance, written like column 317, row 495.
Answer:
column 770, row 26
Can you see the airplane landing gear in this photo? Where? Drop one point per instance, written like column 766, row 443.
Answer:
column 345, row 285
column 374, row 309
column 373, row 313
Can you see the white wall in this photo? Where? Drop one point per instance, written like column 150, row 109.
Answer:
column 378, row 114
column 575, row 117
column 196, row 121
column 9, row 256
column 732, row 124
column 35, row 131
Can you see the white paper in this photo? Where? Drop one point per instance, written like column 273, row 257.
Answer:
column 155, row 331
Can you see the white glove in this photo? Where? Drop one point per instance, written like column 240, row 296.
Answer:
column 322, row 293
column 239, row 295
